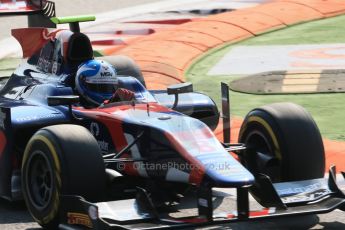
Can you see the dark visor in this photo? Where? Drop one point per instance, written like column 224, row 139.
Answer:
column 101, row 88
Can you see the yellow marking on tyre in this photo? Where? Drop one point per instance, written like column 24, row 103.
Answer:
column 53, row 152
column 50, row 146
column 270, row 132
column 54, row 210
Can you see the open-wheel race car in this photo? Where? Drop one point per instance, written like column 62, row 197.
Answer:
column 140, row 163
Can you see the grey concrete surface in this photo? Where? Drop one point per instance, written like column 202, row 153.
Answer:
column 257, row 59
column 68, row 7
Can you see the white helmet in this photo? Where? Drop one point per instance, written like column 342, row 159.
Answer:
column 96, row 81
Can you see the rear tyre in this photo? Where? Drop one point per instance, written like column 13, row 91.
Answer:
column 60, row 159
column 286, row 143
column 125, row 66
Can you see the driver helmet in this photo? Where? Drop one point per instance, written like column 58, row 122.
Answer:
column 96, row 81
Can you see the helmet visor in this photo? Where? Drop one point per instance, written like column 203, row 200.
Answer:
column 102, row 88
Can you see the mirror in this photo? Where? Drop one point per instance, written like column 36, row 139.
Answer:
column 180, row 88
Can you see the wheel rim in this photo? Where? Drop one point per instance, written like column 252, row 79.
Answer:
column 262, row 159
column 40, row 183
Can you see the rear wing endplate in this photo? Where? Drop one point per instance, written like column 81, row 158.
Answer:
column 39, row 12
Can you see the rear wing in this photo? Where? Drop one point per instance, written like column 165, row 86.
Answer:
column 39, row 12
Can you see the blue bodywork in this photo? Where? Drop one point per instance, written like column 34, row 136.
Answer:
column 182, row 135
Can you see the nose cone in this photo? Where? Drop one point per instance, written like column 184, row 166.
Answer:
column 197, row 144
column 222, row 170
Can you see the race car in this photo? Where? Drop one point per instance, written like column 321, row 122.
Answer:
column 141, row 163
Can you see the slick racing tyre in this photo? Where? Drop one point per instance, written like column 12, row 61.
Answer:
column 284, row 143
column 60, row 159
column 125, row 66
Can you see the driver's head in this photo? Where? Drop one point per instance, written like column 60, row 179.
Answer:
column 96, row 81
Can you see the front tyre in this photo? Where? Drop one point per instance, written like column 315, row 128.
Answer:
column 60, row 159
column 285, row 141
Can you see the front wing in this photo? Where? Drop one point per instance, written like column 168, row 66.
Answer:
column 284, row 199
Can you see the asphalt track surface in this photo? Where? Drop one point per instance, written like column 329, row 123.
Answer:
column 15, row 216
